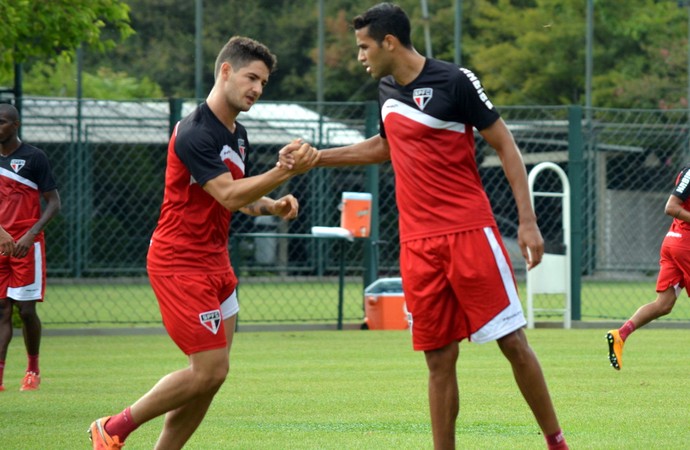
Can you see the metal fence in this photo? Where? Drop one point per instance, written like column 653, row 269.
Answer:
column 109, row 159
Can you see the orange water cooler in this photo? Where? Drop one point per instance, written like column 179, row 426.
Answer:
column 384, row 305
column 355, row 214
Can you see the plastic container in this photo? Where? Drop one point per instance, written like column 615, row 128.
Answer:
column 355, row 214
column 384, row 305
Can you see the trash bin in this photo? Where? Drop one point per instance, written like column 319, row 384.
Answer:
column 265, row 248
column 384, row 305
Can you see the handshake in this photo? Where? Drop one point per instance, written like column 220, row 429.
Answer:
column 298, row 157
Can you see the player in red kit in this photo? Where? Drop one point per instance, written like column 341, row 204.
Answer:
column 674, row 269
column 457, row 278
column 188, row 261
column 26, row 178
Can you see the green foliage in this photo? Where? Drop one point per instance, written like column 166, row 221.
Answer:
column 45, row 29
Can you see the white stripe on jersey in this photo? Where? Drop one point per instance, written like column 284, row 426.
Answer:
column 19, row 179
column 512, row 317
column 395, row 106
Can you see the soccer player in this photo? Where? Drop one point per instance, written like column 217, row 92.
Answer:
column 25, row 178
column 457, row 278
column 674, row 269
column 188, row 261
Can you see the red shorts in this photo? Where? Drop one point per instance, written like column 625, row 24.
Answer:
column 674, row 269
column 193, row 308
column 24, row 279
column 459, row 286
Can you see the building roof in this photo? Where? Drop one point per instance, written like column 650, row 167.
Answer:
column 54, row 120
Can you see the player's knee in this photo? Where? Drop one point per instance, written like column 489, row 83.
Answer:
column 211, row 380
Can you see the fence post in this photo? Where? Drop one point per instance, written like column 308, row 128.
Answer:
column 575, row 175
column 371, row 250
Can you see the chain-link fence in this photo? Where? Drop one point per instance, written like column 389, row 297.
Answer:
column 109, row 159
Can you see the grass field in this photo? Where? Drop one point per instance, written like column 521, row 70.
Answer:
column 358, row 390
column 99, row 305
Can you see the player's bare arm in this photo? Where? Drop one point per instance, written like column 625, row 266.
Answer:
column 529, row 237
column 674, row 208
column 6, row 242
column 286, row 207
column 235, row 194
column 371, row 151
column 52, row 208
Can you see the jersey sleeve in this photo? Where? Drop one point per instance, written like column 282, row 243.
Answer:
column 44, row 173
column 473, row 101
column 682, row 188
column 199, row 154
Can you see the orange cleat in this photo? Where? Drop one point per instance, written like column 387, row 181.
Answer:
column 615, row 349
column 30, row 382
column 100, row 438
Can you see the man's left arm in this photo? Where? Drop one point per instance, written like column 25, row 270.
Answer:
column 286, row 207
column 52, row 208
column 529, row 237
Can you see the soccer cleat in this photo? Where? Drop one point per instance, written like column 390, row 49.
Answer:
column 615, row 349
column 30, row 382
column 2, row 388
column 100, row 438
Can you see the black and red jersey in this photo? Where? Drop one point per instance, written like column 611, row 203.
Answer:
column 429, row 127
column 192, row 231
column 24, row 175
column 679, row 233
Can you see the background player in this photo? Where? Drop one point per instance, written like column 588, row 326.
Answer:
column 188, row 260
column 457, row 279
column 25, row 178
column 674, row 272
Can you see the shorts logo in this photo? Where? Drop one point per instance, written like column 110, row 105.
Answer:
column 422, row 96
column 211, row 320
column 17, row 164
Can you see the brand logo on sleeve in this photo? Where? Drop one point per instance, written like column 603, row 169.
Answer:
column 211, row 320
column 17, row 164
column 478, row 86
column 421, row 97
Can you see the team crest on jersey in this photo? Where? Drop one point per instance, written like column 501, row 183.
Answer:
column 17, row 164
column 211, row 320
column 422, row 96
column 240, row 147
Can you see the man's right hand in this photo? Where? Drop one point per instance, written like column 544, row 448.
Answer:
column 6, row 243
column 304, row 158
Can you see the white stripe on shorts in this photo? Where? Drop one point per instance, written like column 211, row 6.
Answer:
column 230, row 306
column 512, row 317
column 30, row 291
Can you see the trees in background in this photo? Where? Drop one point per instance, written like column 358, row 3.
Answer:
column 527, row 52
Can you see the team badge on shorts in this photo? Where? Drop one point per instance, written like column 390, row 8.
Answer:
column 422, row 96
column 211, row 320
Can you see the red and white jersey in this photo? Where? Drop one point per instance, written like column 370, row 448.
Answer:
column 679, row 233
column 24, row 175
column 429, row 127
column 192, row 231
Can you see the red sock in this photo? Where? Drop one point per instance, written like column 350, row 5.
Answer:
column 556, row 441
column 627, row 328
column 2, row 371
column 33, row 364
column 121, row 425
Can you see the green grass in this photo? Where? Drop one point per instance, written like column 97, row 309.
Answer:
column 116, row 305
column 358, row 390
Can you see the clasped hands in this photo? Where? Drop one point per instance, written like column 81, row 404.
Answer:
column 298, row 157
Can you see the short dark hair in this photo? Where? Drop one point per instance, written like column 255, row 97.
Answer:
column 10, row 111
column 383, row 19
column 240, row 51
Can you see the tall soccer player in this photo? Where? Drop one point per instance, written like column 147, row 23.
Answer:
column 457, row 279
column 188, row 261
column 26, row 179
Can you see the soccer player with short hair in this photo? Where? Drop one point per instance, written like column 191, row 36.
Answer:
column 188, row 261
column 457, row 278
column 26, row 178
